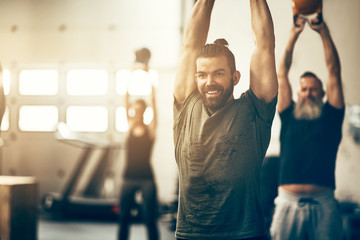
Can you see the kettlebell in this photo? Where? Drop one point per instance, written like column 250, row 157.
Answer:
column 307, row 8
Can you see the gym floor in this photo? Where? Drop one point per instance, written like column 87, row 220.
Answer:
column 56, row 229
column 60, row 229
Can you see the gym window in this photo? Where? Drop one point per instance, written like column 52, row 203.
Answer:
column 87, row 118
column 38, row 118
column 148, row 115
column 5, row 121
column 121, row 122
column 137, row 82
column 38, row 82
column 6, row 81
column 87, row 82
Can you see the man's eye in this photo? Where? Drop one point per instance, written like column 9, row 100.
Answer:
column 201, row 76
column 219, row 74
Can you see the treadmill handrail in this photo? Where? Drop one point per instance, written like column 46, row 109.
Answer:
column 65, row 134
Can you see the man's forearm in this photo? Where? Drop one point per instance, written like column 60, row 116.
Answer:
column 197, row 28
column 335, row 94
column 331, row 54
column 262, row 24
column 286, row 59
column 263, row 79
column 195, row 36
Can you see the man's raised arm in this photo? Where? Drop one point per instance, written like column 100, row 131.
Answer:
column 285, row 91
column 263, row 79
column 334, row 91
column 195, row 36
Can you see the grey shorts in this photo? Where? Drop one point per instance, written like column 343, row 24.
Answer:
column 309, row 216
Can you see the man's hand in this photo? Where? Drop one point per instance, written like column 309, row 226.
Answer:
column 299, row 25
column 316, row 26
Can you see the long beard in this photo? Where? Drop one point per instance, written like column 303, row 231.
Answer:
column 215, row 103
column 308, row 111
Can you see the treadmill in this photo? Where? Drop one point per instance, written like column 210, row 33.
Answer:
column 90, row 204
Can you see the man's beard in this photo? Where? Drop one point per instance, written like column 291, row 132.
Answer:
column 308, row 111
column 215, row 103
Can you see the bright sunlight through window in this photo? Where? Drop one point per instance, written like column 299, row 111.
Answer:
column 38, row 82
column 5, row 121
column 6, row 81
column 38, row 118
column 121, row 122
column 148, row 115
column 87, row 118
column 87, row 82
column 137, row 82
column 121, row 119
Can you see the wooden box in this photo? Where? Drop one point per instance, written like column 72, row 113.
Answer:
column 18, row 208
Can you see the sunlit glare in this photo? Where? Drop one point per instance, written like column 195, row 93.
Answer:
column 64, row 131
column 148, row 115
column 38, row 118
column 121, row 118
column 6, row 81
column 136, row 82
column 38, row 82
column 87, row 118
column 154, row 77
column 121, row 122
column 5, row 121
column 87, row 82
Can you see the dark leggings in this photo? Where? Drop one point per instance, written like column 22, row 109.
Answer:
column 149, row 207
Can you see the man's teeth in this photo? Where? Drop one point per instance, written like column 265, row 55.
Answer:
column 212, row 92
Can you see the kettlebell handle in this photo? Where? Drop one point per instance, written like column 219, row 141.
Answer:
column 318, row 22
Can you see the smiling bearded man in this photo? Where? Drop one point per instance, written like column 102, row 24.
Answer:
column 216, row 74
column 220, row 142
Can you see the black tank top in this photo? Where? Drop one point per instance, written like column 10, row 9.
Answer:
column 138, row 156
column 309, row 147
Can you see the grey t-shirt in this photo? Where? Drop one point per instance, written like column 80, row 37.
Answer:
column 219, row 159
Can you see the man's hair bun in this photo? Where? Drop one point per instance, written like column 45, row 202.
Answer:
column 221, row 41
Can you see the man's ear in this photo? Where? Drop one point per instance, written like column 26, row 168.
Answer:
column 236, row 77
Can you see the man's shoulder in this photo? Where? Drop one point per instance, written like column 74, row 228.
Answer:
column 189, row 100
column 260, row 105
column 244, row 97
column 249, row 94
column 329, row 107
column 288, row 111
column 181, row 109
column 335, row 114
